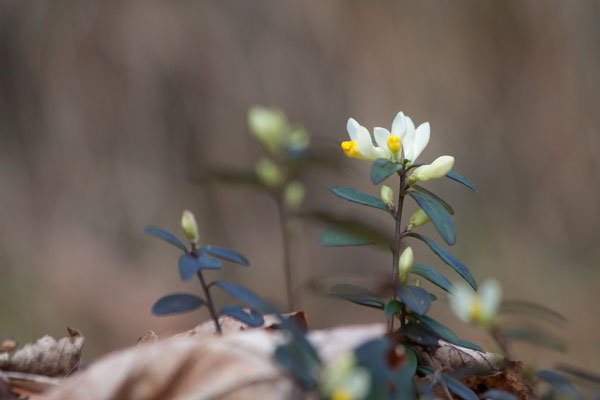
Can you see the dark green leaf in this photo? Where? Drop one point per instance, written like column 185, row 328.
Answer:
column 176, row 303
column 533, row 309
column 438, row 328
column 470, row 345
column 459, row 388
column 254, row 318
column 498, row 395
column 372, row 356
column 166, row 236
column 437, row 214
column 560, row 383
column 448, row 258
column 382, row 168
column 356, row 196
column 433, row 276
column 244, row 295
column 534, row 336
column 461, row 179
column 226, row 254
column 297, row 363
column 414, row 297
column 374, row 234
column 190, row 265
column 335, row 235
column 436, row 197
column 392, row 308
column 420, row 334
column 578, row 372
column 358, row 295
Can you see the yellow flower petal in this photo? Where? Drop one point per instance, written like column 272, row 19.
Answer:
column 351, row 149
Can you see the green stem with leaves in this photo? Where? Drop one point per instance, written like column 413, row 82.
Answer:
column 397, row 239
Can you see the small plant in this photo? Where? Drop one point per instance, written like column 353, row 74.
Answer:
column 194, row 261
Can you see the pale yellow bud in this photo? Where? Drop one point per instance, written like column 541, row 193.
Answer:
column 405, row 265
column 387, row 196
column 416, row 282
column 268, row 126
column 437, row 169
column 294, row 194
column 189, row 225
column 418, row 219
column 297, row 140
column 269, row 173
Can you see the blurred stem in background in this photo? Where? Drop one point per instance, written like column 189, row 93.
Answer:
column 285, row 237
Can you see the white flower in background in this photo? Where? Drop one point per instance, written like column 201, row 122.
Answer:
column 268, row 126
column 437, row 169
column 479, row 308
column 403, row 135
column 343, row 379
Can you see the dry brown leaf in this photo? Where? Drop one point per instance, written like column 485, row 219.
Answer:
column 8, row 345
column 149, row 337
column 238, row 365
column 46, row 356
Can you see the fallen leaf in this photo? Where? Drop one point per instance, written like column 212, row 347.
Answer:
column 46, row 356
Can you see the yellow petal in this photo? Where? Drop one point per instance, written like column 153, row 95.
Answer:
column 394, row 144
column 351, row 149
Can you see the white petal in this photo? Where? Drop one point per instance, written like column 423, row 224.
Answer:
column 365, row 144
column 460, row 301
column 421, row 140
column 352, row 127
column 381, row 137
column 409, row 140
column 491, row 295
column 399, row 126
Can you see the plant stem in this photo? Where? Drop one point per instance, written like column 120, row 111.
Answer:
column 500, row 340
column 287, row 267
column 209, row 303
column 397, row 239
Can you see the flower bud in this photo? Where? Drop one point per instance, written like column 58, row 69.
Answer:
column 294, row 195
column 297, row 140
column 405, row 265
column 437, row 169
column 418, row 219
column 416, row 282
column 269, row 173
column 189, row 225
column 387, row 196
column 268, row 126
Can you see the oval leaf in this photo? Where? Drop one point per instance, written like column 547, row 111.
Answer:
column 244, row 295
column 440, row 329
column 382, row 168
column 254, row 318
column 448, row 258
column 420, row 334
column 166, row 236
column 560, row 383
column 459, row 388
column 190, row 265
column 535, row 336
column 440, row 217
column 433, row 276
column 358, row 295
column 392, row 307
column 461, row 179
column 356, row 196
column 436, row 197
column 416, row 298
column 498, row 395
column 176, row 303
column 226, row 254
column 336, row 235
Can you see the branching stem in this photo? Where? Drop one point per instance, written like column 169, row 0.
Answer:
column 209, row 303
column 397, row 238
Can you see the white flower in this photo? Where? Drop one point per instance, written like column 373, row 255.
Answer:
column 343, row 379
column 479, row 308
column 413, row 140
column 360, row 144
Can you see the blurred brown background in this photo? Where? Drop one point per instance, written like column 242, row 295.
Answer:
column 109, row 109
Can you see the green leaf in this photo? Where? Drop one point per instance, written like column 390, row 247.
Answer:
column 336, row 235
column 297, row 363
column 414, row 297
column 534, row 336
column 560, row 383
column 254, row 318
column 494, row 394
column 448, row 258
column 176, row 303
column 440, row 329
column 440, row 217
column 470, row 345
column 190, row 265
column 358, row 295
column 436, row 197
column 356, row 196
column 392, row 308
column 420, row 334
column 459, row 388
column 533, row 309
column 166, row 236
column 578, row 372
column 226, row 254
column 382, row 168
column 369, row 233
column 433, row 276
column 244, row 295
column 461, row 179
